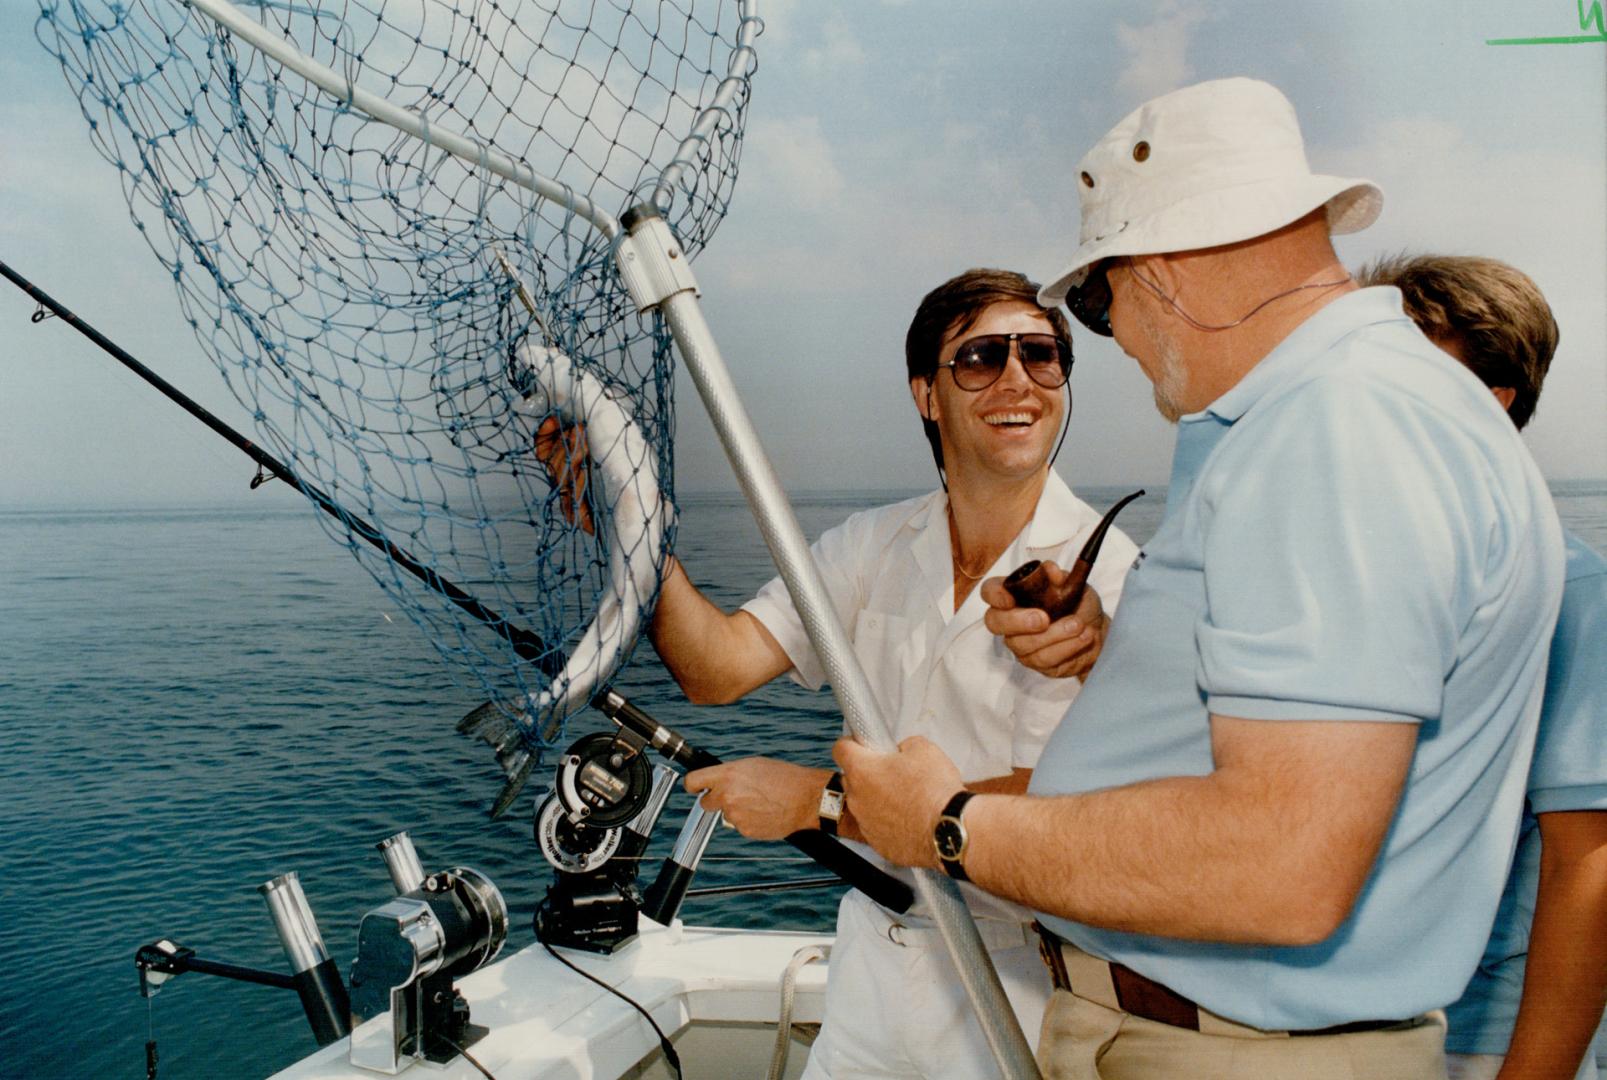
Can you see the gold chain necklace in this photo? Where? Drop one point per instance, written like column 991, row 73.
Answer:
column 954, row 547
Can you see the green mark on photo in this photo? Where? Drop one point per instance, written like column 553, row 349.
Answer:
column 1590, row 18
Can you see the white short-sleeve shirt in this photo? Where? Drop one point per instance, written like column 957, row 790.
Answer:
column 935, row 671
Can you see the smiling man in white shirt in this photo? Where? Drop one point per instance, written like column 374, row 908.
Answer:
column 988, row 374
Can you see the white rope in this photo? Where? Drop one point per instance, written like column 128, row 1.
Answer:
column 789, row 979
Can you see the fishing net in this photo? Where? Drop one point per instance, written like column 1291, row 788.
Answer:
column 368, row 295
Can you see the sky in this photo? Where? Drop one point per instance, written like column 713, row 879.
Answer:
column 891, row 145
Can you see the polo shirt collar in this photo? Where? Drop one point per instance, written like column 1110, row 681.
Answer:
column 1304, row 348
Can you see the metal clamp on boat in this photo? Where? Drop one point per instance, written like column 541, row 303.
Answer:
column 409, row 950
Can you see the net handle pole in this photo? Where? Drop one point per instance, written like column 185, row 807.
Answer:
column 338, row 86
column 656, row 273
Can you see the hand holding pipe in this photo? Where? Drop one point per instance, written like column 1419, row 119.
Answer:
column 1030, row 585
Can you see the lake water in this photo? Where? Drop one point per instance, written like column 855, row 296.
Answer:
column 193, row 702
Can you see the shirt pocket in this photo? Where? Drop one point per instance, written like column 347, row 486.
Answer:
column 891, row 649
column 973, row 707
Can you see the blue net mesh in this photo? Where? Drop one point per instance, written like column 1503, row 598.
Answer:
column 357, row 287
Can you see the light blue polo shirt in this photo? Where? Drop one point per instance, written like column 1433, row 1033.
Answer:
column 1569, row 773
column 1353, row 532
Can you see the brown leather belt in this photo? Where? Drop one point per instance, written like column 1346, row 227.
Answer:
column 1142, row 996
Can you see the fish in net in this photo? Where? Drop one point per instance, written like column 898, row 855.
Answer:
column 393, row 227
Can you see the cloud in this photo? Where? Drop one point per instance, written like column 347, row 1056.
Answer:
column 905, row 207
column 793, row 161
column 1157, row 52
column 795, row 37
column 840, row 49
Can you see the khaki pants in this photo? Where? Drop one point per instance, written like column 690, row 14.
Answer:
column 1085, row 1040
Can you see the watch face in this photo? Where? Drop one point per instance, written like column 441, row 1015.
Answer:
column 949, row 838
column 831, row 805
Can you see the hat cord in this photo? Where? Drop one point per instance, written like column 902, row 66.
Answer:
column 1198, row 325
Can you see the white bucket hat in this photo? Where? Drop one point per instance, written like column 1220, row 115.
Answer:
column 1210, row 164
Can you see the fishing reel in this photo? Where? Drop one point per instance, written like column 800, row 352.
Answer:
column 595, row 826
column 593, row 829
column 603, row 780
column 598, row 820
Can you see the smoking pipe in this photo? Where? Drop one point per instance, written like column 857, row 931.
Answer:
column 1029, row 583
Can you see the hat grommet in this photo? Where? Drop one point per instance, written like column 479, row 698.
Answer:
column 1141, row 151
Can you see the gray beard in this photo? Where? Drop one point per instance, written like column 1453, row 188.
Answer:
column 1171, row 377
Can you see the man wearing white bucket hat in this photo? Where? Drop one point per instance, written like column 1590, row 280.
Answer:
column 1269, row 838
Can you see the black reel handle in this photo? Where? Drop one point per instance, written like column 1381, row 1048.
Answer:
column 854, row 868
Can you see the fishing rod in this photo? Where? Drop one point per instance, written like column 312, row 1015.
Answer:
column 824, row 849
column 527, row 645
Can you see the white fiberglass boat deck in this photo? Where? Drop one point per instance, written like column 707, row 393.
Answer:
column 716, row 993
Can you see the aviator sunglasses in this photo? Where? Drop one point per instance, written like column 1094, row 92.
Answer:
column 980, row 361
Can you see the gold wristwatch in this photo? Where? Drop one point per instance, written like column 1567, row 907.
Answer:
column 832, row 804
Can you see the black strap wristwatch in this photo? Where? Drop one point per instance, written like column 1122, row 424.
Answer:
column 832, row 804
column 948, row 836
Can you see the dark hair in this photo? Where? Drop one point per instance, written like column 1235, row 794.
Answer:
column 954, row 307
column 1492, row 312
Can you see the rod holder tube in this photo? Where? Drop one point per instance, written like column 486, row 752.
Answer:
column 664, row 779
column 324, row 1000
column 695, row 835
column 663, row 899
column 314, row 976
column 401, row 859
column 293, row 919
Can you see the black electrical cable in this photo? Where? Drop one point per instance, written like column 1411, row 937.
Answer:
column 664, row 1043
column 461, row 1049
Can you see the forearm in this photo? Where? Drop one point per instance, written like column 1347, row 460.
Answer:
column 1271, row 848
column 1012, row 783
column 1565, row 981
column 714, row 656
column 1173, row 857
